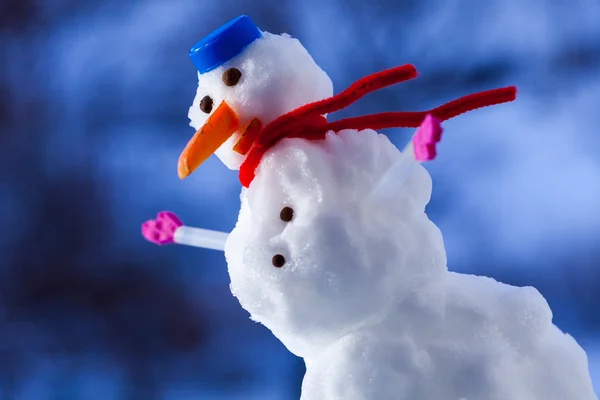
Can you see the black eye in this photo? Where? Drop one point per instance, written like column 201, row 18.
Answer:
column 286, row 214
column 231, row 76
column 278, row 261
column 206, row 104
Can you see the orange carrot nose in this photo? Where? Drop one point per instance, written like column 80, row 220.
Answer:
column 220, row 126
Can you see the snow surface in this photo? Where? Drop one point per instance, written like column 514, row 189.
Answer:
column 365, row 296
column 271, row 64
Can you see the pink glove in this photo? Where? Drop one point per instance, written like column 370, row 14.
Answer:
column 161, row 230
column 426, row 138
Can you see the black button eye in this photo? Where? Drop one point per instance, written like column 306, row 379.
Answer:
column 286, row 214
column 206, row 104
column 231, row 76
column 278, row 261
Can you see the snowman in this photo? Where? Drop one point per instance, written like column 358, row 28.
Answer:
column 333, row 251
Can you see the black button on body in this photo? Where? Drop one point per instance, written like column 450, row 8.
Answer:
column 278, row 261
column 286, row 214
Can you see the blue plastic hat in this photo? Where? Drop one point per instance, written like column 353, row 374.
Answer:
column 224, row 43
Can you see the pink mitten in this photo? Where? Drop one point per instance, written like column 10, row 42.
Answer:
column 162, row 229
column 426, row 138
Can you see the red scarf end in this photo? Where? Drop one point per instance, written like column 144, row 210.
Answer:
column 308, row 123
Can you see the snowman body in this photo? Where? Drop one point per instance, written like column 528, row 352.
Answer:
column 355, row 282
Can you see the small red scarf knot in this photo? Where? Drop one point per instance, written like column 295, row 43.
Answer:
column 308, row 122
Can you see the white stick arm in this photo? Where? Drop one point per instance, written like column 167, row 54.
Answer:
column 392, row 179
column 198, row 237
column 409, row 149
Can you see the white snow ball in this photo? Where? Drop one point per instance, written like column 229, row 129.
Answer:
column 278, row 75
column 490, row 341
column 345, row 256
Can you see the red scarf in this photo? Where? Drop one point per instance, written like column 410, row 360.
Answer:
column 309, row 123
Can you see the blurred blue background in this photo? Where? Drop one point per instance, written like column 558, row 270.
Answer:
column 93, row 115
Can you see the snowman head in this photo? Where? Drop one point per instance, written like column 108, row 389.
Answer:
column 246, row 79
column 315, row 255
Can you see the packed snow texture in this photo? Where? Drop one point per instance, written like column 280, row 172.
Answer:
column 365, row 296
column 271, row 64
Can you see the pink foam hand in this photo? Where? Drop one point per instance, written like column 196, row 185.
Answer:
column 162, row 229
column 426, row 138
